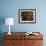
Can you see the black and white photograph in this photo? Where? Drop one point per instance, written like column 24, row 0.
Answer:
column 27, row 15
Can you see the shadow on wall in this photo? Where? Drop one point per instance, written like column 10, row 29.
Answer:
column 2, row 21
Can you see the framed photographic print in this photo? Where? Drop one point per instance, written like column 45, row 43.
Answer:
column 27, row 15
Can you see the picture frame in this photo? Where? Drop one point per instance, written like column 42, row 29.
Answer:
column 27, row 15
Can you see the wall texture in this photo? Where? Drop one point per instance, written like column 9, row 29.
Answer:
column 9, row 8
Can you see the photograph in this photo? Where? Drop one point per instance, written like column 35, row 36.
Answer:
column 27, row 15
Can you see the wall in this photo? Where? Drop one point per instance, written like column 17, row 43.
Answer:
column 9, row 8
